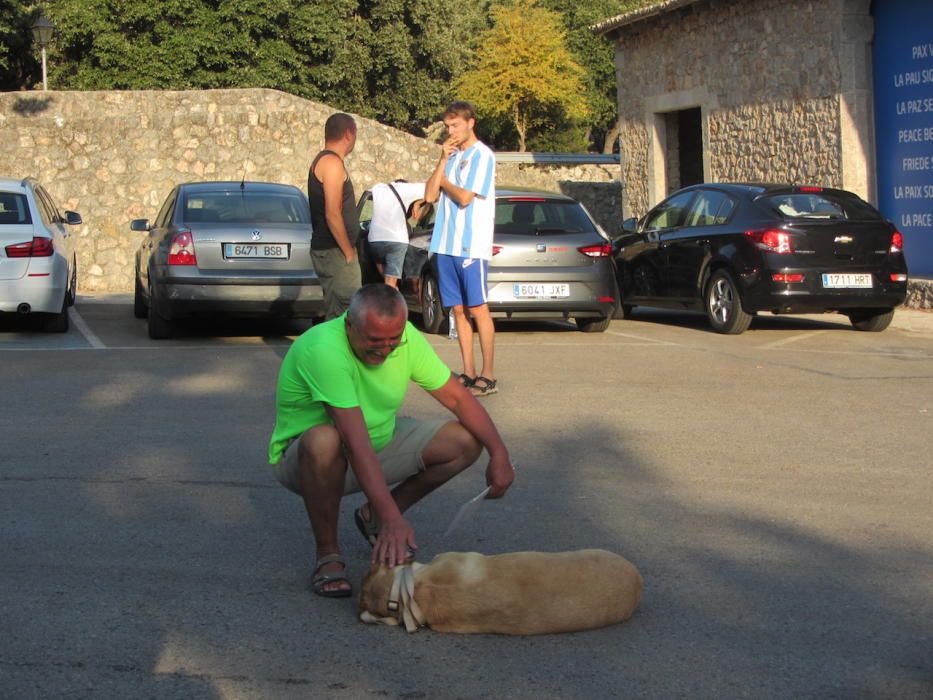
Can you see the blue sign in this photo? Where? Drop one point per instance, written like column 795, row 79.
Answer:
column 903, row 74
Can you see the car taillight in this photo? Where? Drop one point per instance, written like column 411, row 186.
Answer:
column 771, row 240
column 792, row 277
column 496, row 249
column 897, row 243
column 181, row 251
column 898, row 277
column 36, row 248
column 600, row 250
column 809, row 189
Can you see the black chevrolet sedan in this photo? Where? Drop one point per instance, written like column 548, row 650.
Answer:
column 240, row 248
column 733, row 250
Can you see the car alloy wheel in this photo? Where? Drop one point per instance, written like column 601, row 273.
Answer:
column 724, row 305
column 432, row 313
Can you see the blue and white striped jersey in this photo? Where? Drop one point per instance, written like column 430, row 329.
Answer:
column 466, row 232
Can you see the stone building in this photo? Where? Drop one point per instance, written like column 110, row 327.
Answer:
column 837, row 93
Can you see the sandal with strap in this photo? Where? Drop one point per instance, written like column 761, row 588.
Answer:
column 319, row 581
column 466, row 380
column 369, row 529
column 483, row 386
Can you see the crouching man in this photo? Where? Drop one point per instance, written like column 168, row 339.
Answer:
column 337, row 431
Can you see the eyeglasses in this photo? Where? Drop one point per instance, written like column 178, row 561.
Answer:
column 380, row 343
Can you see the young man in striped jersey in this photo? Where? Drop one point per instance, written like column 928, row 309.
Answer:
column 464, row 185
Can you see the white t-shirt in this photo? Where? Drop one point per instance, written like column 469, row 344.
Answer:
column 466, row 232
column 388, row 222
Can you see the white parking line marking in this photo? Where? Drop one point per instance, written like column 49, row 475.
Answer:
column 792, row 339
column 88, row 334
column 652, row 341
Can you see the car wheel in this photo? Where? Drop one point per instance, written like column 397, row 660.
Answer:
column 57, row 323
column 593, row 325
column 627, row 310
column 140, row 307
column 872, row 320
column 432, row 313
column 71, row 295
column 724, row 305
column 159, row 327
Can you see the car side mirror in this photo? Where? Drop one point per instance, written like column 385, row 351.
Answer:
column 630, row 225
column 140, row 225
column 73, row 218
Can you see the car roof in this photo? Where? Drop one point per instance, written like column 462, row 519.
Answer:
column 510, row 191
column 506, row 191
column 756, row 189
column 214, row 185
column 13, row 184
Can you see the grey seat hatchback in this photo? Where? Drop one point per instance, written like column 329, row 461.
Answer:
column 550, row 261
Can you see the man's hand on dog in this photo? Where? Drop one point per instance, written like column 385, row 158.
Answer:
column 395, row 543
column 499, row 475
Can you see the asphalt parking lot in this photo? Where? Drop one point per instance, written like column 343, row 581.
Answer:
column 773, row 488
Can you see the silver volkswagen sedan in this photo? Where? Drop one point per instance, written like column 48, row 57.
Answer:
column 238, row 248
column 38, row 268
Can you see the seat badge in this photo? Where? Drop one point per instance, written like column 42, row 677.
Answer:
column 255, row 235
column 541, row 248
column 842, row 239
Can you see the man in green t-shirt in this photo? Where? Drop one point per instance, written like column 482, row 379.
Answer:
column 340, row 387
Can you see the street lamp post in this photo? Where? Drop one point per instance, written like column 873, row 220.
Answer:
column 42, row 30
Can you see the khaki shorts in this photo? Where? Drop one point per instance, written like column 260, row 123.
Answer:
column 400, row 459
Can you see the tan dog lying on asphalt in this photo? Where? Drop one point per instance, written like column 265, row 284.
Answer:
column 520, row 593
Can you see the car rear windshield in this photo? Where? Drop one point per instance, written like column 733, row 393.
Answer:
column 820, row 205
column 531, row 216
column 14, row 209
column 226, row 206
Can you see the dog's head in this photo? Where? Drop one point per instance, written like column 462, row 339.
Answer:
column 374, row 596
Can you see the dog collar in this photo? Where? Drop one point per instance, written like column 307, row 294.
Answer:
column 402, row 599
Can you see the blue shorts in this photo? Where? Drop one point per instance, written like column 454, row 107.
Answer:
column 390, row 253
column 462, row 281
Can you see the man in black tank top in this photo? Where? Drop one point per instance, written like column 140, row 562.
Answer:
column 333, row 216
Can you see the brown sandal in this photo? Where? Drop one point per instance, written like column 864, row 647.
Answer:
column 483, row 386
column 318, row 581
column 369, row 529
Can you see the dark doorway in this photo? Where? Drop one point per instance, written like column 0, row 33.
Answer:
column 690, row 145
column 684, row 148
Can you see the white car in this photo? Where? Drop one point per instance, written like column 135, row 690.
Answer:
column 38, row 268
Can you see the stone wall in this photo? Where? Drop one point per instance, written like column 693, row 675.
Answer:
column 114, row 156
column 766, row 75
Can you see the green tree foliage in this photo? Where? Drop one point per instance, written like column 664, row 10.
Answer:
column 597, row 56
column 17, row 60
column 524, row 71
column 392, row 60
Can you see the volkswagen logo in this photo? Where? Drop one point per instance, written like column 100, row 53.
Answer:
column 255, row 235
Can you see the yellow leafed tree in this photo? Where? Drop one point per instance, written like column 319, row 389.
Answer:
column 523, row 70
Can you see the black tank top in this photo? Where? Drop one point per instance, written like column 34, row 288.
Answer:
column 322, row 238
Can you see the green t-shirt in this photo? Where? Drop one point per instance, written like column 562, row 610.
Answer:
column 321, row 368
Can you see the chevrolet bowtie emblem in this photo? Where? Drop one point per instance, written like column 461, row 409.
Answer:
column 843, row 239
